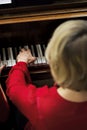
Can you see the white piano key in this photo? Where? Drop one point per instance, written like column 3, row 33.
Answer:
column 39, row 54
column 11, row 60
column 4, row 56
column 43, row 59
column 40, row 51
column 44, row 48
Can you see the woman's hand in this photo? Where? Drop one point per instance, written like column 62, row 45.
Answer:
column 25, row 56
column 2, row 67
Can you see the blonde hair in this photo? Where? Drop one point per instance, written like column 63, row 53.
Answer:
column 66, row 54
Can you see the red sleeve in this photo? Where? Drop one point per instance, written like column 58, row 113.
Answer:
column 20, row 92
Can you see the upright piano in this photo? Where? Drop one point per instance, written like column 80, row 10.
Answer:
column 30, row 24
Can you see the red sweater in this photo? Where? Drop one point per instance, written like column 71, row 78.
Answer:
column 44, row 107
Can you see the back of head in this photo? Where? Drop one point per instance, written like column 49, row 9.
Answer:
column 66, row 54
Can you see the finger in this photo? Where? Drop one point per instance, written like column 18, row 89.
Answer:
column 2, row 67
column 22, row 50
column 32, row 60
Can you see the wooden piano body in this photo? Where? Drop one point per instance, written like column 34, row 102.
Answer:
column 33, row 25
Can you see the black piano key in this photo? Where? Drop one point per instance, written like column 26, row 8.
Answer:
column 18, row 49
column 35, row 50
column 32, row 50
column 7, row 56
column 43, row 49
column 14, row 52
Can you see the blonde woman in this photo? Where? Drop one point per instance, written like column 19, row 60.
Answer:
column 64, row 105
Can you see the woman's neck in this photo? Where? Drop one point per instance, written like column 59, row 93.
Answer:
column 72, row 95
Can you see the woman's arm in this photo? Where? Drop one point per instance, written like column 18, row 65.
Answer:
column 19, row 88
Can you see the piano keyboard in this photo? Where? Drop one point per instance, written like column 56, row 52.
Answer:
column 8, row 55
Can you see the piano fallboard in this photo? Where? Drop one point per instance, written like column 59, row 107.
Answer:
column 37, row 72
